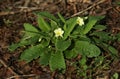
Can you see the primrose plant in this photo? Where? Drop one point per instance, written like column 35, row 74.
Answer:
column 56, row 39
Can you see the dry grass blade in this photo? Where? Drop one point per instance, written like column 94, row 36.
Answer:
column 78, row 13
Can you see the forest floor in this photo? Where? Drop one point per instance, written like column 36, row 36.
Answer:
column 14, row 13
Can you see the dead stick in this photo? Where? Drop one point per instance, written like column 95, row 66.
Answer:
column 116, row 28
column 23, row 11
column 101, row 1
column 26, row 4
column 30, row 75
column 5, row 65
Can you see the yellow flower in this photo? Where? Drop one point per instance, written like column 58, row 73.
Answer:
column 80, row 21
column 58, row 32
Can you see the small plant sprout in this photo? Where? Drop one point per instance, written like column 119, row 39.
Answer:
column 58, row 32
column 80, row 21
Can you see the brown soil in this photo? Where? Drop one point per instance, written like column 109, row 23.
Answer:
column 14, row 13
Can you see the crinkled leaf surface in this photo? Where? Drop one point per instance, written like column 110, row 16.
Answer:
column 44, row 58
column 88, row 49
column 32, row 53
column 63, row 44
column 71, row 54
column 57, row 61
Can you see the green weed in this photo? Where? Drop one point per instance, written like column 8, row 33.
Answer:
column 57, row 39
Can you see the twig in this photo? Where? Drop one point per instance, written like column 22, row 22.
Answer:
column 26, row 4
column 53, row 74
column 117, row 28
column 101, row 1
column 30, row 75
column 16, row 76
column 5, row 65
column 16, row 12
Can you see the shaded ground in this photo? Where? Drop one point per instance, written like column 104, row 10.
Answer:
column 13, row 13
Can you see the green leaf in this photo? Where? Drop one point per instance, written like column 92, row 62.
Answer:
column 80, row 46
column 92, row 21
column 31, row 36
column 78, row 30
column 100, row 27
column 61, row 18
column 62, row 44
column 83, row 64
column 118, row 37
column 30, row 31
column 13, row 47
column 65, row 27
column 32, row 53
column 116, row 76
column 83, row 60
column 94, row 51
column 103, row 36
column 70, row 26
column 45, row 42
column 71, row 54
column 43, row 25
column 48, row 15
column 98, row 60
column 28, row 27
column 23, row 42
column 88, row 49
column 44, row 58
column 84, row 38
column 111, row 49
column 53, row 25
column 57, row 61
column 29, row 41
